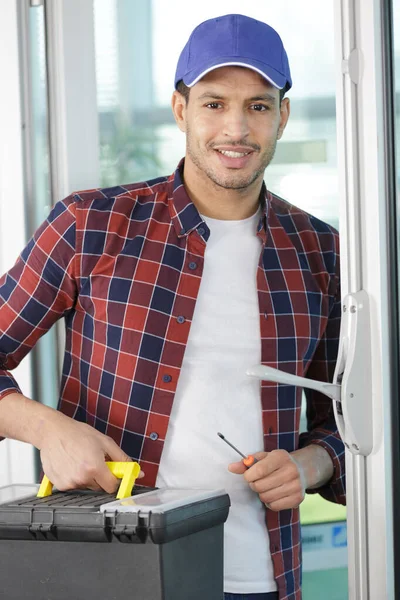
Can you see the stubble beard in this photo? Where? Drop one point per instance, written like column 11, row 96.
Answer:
column 234, row 181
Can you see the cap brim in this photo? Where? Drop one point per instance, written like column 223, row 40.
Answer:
column 271, row 75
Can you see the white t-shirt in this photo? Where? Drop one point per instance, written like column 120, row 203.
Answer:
column 214, row 394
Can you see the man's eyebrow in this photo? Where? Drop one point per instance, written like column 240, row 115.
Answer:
column 259, row 98
column 264, row 98
column 211, row 95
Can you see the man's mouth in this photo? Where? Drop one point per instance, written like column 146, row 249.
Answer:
column 233, row 154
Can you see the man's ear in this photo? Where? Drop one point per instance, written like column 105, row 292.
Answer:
column 284, row 116
column 178, row 104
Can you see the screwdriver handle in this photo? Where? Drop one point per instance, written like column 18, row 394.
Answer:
column 249, row 461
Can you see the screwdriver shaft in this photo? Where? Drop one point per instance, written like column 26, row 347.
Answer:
column 231, row 445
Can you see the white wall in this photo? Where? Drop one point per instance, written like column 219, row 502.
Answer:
column 16, row 458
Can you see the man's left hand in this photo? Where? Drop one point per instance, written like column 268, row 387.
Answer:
column 281, row 478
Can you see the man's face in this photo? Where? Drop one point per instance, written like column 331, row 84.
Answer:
column 232, row 123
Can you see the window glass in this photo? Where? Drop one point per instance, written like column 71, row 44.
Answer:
column 396, row 26
column 396, row 46
column 38, row 197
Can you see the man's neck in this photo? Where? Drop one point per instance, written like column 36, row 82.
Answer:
column 216, row 202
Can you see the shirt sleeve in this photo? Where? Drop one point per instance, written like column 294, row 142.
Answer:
column 37, row 290
column 321, row 425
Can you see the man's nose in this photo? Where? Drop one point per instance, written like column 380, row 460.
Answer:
column 236, row 124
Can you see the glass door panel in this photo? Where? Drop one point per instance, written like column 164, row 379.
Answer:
column 396, row 119
column 46, row 369
column 396, row 31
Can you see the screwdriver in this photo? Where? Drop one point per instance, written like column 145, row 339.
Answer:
column 248, row 461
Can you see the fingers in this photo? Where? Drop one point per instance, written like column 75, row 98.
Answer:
column 74, row 456
column 66, row 484
column 113, row 451
column 94, row 487
column 237, row 467
column 106, row 480
column 277, row 481
column 286, row 503
column 267, row 464
column 279, row 497
column 86, row 476
column 286, row 474
column 97, row 480
column 291, row 489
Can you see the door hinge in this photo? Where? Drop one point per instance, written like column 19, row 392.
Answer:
column 352, row 66
column 350, row 390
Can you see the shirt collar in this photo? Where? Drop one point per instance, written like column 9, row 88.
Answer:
column 185, row 216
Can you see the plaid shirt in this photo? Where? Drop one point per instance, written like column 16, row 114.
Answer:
column 123, row 267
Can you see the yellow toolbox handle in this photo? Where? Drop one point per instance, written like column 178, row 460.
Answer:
column 127, row 471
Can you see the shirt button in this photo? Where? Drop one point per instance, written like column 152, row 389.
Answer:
column 192, row 266
column 181, row 319
column 201, row 231
column 167, row 378
column 154, row 436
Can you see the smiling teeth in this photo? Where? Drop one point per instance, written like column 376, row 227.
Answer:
column 232, row 154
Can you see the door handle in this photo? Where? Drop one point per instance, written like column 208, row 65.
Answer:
column 350, row 390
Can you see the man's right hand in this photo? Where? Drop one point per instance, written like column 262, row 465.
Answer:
column 73, row 454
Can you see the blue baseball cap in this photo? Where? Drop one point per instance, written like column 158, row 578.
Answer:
column 234, row 40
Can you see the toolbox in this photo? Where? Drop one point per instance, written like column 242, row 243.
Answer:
column 163, row 544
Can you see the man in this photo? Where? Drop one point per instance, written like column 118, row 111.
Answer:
column 170, row 290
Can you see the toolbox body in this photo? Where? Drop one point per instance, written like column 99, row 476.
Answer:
column 158, row 545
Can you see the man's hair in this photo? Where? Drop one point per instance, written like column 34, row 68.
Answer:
column 185, row 91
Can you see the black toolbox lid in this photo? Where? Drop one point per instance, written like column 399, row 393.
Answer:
column 158, row 516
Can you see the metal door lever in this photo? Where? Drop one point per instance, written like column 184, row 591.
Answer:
column 351, row 387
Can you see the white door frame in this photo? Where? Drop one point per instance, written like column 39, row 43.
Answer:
column 365, row 266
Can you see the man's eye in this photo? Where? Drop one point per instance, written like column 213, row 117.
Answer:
column 259, row 107
column 213, row 105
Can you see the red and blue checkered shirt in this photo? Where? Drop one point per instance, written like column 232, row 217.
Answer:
column 123, row 267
